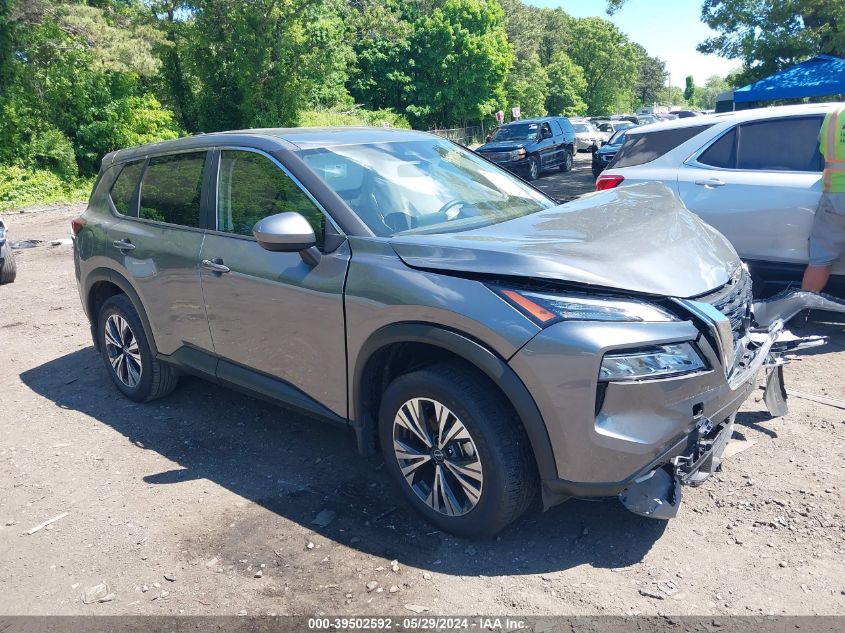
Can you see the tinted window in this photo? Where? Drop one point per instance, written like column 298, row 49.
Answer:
column 171, row 189
column 722, row 153
column 123, row 189
column 251, row 187
column 556, row 127
column 566, row 125
column 780, row 145
column 639, row 149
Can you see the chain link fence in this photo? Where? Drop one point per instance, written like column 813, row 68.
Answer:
column 466, row 136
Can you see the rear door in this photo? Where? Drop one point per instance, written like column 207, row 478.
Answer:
column 759, row 184
column 156, row 244
column 272, row 313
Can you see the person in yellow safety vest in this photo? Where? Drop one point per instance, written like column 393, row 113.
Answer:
column 827, row 238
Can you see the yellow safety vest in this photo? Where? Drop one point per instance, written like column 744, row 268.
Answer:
column 832, row 147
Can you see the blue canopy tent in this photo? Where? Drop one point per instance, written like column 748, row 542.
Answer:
column 821, row 76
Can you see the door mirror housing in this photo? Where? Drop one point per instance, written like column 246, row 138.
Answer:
column 284, row 233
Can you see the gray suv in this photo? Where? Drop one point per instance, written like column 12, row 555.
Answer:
column 492, row 344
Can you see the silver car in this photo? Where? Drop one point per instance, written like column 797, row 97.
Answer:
column 496, row 347
column 755, row 175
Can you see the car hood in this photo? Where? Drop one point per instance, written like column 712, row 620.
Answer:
column 502, row 146
column 604, row 149
column 638, row 238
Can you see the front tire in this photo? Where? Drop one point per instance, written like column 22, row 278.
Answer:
column 8, row 269
column 532, row 171
column 127, row 353
column 457, row 450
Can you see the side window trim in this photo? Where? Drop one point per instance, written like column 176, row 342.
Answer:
column 692, row 161
column 213, row 203
column 137, row 194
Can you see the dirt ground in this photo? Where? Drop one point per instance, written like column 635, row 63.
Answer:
column 204, row 502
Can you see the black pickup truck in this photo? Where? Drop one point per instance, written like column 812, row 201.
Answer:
column 530, row 146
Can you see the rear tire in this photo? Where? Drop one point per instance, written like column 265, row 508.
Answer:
column 127, row 354
column 489, row 445
column 566, row 165
column 8, row 269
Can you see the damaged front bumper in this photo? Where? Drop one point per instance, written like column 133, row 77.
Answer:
column 657, row 493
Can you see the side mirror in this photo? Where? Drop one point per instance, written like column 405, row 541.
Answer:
column 284, row 233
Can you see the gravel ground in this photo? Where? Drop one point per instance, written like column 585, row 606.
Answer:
column 204, row 502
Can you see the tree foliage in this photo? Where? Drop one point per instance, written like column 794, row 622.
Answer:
column 608, row 59
column 768, row 35
column 79, row 78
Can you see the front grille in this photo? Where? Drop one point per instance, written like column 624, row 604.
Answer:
column 496, row 155
column 734, row 301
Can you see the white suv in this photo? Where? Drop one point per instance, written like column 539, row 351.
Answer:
column 755, row 175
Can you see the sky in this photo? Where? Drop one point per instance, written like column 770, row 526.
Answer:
column 668, row 29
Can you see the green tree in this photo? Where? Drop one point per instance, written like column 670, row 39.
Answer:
column 651, row 78
column 526, row 86
column 380, row 77
column 567, row 87
column 461, row 57
column 608, row 59
column 705, row 96
column 768, row 35
column 689, row 88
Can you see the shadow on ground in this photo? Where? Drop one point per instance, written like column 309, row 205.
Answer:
column 295, row 467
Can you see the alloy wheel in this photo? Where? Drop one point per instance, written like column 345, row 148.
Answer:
column 437, row 456
column 123, row 352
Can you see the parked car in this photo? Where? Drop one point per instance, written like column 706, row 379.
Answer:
column 612, row 127
column 531, row 146
column 755, row 175
column 587, row 136
column 685, row 114
column 8, row 267
column 493, row 344
column 603, row 155
column 645, row 119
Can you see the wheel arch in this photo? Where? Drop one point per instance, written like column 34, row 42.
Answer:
column 372, row 368
column 102, row 283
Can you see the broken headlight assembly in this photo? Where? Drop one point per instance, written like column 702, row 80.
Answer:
column 654, row 361
column 546, row 308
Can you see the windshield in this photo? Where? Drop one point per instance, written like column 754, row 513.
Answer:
column 517, row 132
column 618, row 138
column 583, row 127
column 425, row 186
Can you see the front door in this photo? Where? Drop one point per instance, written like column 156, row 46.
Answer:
column 272, row 312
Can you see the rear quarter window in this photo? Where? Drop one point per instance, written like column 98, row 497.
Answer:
column 124, row 189
column 639, row 149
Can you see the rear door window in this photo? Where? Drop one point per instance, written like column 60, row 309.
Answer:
column 172, row 188
column 123, row 190
column 780, row 145
column 639, row 149
column 556, row 127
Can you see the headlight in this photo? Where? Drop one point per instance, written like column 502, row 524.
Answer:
column 546, row 309
column 652, row 362
column 516, row 154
